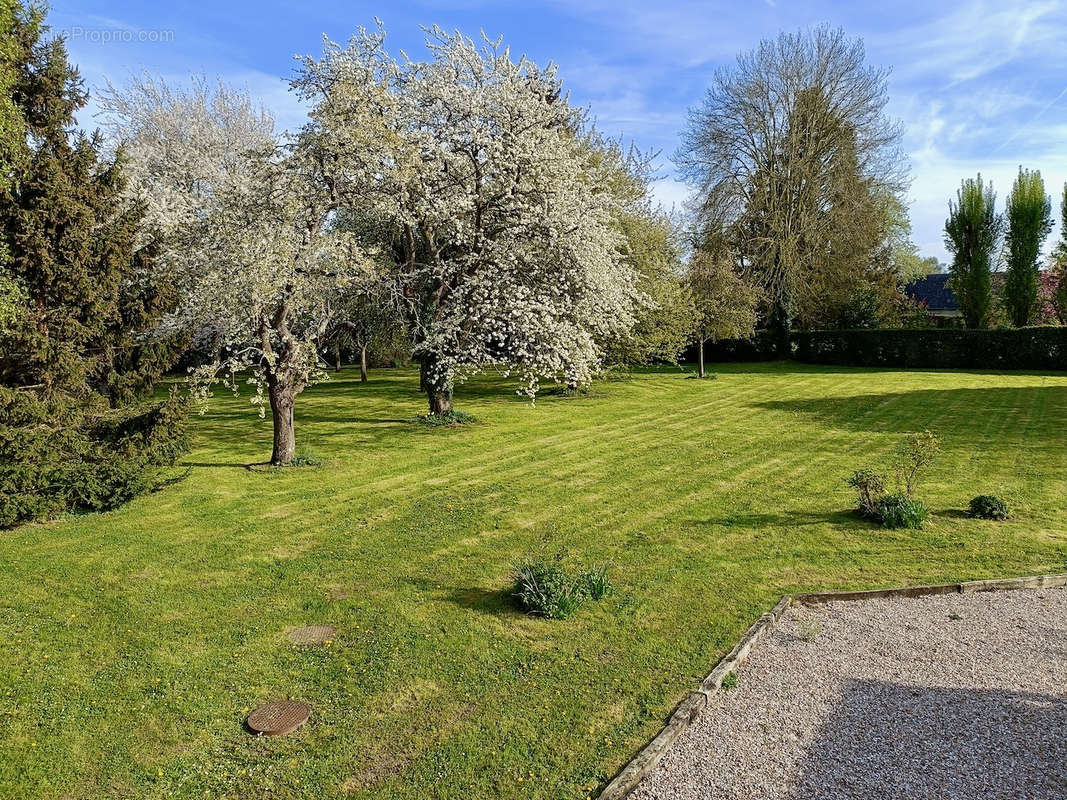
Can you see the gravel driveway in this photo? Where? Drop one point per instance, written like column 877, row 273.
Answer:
column 948, row 696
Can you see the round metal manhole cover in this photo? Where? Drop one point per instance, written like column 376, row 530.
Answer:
column 278, row 717
column 313, row 634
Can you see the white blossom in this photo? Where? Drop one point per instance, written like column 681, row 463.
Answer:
column 502, row 211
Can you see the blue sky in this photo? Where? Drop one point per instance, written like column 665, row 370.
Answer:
column 979, row 86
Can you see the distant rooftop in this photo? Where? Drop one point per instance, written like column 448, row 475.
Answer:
column 935, row 292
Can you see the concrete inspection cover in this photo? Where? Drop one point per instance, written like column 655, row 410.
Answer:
column 278, row 717
column 312, row 634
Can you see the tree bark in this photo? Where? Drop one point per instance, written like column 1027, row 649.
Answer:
column 282, row 399
column 363, row 364
column 440, row 400
column 701, row 351
column 437, row 392
column 781, row 324
column 336, row 357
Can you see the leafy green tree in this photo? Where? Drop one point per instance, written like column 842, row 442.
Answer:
column 791, row 153
column 725, row 304
column 1029, row 221
column 929, row 266
column 972, row 232
column 83, row 352
column 663, row 322
column 13, row 20
column 369, row 321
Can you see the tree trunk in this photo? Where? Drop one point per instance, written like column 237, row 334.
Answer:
column 336, row 357
column 363, row 364
column 782, row 326
column 440, row 400
column 701, row 351
column 281, row 408
column 435, row 386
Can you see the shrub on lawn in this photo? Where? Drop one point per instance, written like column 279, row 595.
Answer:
column 545, row 588
column 989, row 506
column 913, row 455
column 51, row 465
column 897, row 510
column 870, row 488
column 306, row 458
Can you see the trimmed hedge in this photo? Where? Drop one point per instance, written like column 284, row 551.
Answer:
column 761, row 347
column 1016, row 348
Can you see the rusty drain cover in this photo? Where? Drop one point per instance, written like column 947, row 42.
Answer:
column 312, row 634
column 278, row 717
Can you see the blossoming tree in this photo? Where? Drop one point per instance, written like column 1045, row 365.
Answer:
column 500, row 227
column 247, row 223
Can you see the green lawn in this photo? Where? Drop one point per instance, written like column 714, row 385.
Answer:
column 133, row 643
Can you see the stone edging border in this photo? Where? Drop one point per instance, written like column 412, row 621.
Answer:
column 690, row 709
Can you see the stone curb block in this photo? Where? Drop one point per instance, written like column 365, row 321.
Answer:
column 740, row 652
column 876, row 594
column 689, row 710
column 1036, row 582
column 684, row 715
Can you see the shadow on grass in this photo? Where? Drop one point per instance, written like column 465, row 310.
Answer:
column 219, row 464
column 495, row 602
column 908, row 411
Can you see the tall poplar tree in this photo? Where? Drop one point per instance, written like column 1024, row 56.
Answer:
column 972, row 232
column 1029, row 221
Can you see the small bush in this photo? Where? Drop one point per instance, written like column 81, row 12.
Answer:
column 913, row 455
column 582, row 390
column 449, row 420
column 545, row 588
column 898, row 510
column 870, row 489
column 809, row 628
column 989, row 506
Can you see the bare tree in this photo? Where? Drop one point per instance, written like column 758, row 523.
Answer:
column 788, row 151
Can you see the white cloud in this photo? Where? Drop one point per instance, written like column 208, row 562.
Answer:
column 670, row 194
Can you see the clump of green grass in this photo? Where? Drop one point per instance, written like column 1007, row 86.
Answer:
column 545, row 588
column 595, row 581
column 306, row 458
column 897, row 510
column 989, row 506
column 809, row 628
column 450, row 419
column 729, row 681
